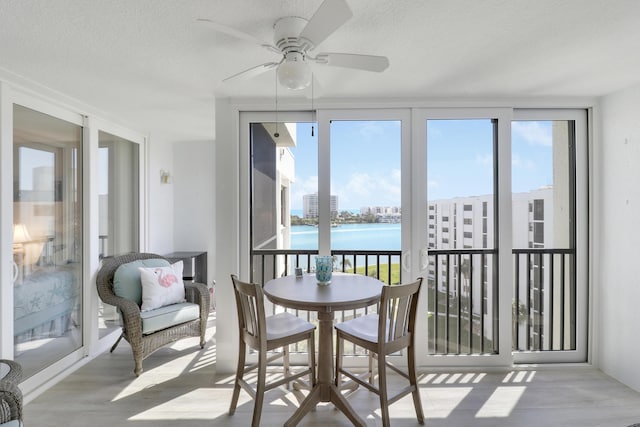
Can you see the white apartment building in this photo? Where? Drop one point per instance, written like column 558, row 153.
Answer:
column 466, row 223
column 310, row 205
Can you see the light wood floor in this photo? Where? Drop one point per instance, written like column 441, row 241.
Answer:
column 180, row 387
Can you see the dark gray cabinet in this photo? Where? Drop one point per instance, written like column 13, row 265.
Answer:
column 195, row 265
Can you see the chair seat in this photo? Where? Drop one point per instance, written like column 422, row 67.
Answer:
column 167, row 316
column 363, row 327
column 286, row 324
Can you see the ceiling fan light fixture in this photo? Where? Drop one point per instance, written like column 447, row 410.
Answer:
column 294, row 73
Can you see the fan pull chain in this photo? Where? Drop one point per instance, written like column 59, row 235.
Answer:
column 312, row 110
column 276, row 134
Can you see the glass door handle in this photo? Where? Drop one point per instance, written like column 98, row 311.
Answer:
column 424, row 259
column 406, row 261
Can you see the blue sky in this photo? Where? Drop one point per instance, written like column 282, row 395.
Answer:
column 365, row 163
column 365, row 160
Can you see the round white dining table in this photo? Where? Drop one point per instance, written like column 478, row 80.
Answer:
column 346, row 292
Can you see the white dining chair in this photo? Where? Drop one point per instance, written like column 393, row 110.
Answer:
column 265, row 334
column 387, row 332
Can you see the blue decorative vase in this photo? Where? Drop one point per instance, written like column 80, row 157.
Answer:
column 324, row 268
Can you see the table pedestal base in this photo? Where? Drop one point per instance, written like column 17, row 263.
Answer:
column 325, row 390
column 315, row 397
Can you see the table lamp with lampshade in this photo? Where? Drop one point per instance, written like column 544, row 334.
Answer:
column 20, row 237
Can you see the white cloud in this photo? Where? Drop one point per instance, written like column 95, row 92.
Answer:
column 484, row 159
column 518, row 163
column 364, row 189
column 371, row 129
column 533, row 133
column 486, row 163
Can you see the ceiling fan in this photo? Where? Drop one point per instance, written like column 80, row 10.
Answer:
column 294, row 38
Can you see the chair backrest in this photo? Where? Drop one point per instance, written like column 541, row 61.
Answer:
column 397, row 314
column 251, row 313
column 104, row 278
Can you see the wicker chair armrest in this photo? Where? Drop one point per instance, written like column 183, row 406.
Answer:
column 15, row 371
column 127, row 307
column 198, row 293
column 130, row 312
column 10, row 393
column 123, row 304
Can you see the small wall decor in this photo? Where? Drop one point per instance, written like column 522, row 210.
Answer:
column 165, row 177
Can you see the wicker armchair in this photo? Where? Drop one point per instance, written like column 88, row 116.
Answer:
column 142, row 345
column 10, row 394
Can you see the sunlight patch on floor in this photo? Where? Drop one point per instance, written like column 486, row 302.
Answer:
column 515, row 377
column 501, row 402
column 181, row 407
column 448, row 378
column 444, row 403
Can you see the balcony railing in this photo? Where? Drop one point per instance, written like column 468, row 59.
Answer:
column 462, row 294
column 270, row 263
column 544, row 308
column 463, row 302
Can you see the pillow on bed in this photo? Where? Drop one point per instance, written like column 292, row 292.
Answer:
column 161, row 286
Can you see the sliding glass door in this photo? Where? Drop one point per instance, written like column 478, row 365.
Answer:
column 461, row 213
column 488, row 205
column 505, row 226
column 119, row 211
column 458, row 190
column 333, row 188
column 549, row 205
column 47, row 238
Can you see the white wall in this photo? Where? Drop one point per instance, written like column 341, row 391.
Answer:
column 616, row 237
column 161, row 197
column 226, row 222
column 194, row 190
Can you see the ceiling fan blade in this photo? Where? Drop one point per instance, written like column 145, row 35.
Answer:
column 330, row 16
column 231, row 31
column 353, row 60
column 253, row 71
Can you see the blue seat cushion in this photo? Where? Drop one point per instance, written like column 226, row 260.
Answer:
column 167, row 316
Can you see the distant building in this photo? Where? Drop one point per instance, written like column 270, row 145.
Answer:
column 310, row 205
column 385, row 214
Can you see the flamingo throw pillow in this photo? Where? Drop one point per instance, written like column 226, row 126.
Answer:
column 161, row 286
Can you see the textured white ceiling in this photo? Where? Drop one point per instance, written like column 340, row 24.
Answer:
column 150, row 64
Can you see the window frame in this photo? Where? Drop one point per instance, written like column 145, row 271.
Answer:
column 580, row 116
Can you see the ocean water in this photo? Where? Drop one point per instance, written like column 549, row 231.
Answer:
column 350, row 237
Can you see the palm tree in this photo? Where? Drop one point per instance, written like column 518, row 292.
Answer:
column 346, row 264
